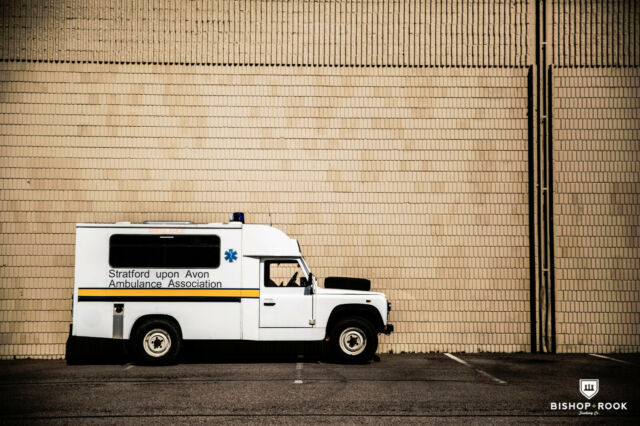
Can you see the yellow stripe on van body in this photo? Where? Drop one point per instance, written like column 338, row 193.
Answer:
column 167, row 292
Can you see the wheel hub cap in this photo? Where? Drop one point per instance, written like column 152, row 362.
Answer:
column 157, row 343
column 353, row 341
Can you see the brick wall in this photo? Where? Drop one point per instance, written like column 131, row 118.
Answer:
column 390, row 137
column 594, row 33
column 597, row 209
column 415, row 178
column 269, row 32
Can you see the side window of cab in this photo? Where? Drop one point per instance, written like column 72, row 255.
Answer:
column 284, row 273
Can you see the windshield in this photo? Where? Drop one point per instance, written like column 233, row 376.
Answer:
column 305, row 268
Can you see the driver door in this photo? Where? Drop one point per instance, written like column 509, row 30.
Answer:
column 285, row 300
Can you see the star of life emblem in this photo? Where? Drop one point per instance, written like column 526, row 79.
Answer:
column 589, row 387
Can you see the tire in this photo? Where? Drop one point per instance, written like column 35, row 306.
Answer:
column 156, row 342
column 353, row 340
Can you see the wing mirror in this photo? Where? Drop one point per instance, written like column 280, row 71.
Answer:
column 307, row 282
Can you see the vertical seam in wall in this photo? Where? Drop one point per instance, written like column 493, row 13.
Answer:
column 532, row 227
column 552, row 281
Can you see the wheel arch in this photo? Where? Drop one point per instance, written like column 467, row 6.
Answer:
column 367, row 312
column 144, row 318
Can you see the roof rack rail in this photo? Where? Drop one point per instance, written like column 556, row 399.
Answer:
column 165, row 222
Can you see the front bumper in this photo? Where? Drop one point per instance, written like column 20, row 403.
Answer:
column 388, row 329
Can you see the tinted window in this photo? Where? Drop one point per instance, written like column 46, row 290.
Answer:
column 164, row 251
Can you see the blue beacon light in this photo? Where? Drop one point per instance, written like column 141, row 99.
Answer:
column 237, row 217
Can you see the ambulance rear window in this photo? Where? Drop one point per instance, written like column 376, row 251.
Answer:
column 164, row 251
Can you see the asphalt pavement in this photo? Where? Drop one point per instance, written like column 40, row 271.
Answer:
column 298, row 389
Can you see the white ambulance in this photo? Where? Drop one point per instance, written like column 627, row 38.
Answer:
column 159, row 283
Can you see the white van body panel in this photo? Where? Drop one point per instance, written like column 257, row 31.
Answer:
column 250, row 307
column 198, row 320
column 327, row 299
column 265, row 241
column 228, row 302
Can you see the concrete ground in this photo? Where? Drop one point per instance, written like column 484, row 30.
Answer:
column 406, row 388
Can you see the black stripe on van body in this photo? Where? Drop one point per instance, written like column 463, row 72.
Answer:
column 159, row 299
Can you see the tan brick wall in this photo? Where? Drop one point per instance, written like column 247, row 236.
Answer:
column 597, row 209
column 311, row 32
column 595, row 33
column 391, row 139
column 415, row 178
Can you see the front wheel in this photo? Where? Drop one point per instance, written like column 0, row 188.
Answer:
column 353, row 340
column 156, row 342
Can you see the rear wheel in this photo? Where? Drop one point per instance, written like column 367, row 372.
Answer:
column 353, row 340
column 156, row 342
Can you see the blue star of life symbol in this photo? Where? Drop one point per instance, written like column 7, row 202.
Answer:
column 230, row 255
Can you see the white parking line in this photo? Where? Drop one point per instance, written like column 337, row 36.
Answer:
column 612, row 359
column 484, row 373
column 455, row 358
column 298, row 380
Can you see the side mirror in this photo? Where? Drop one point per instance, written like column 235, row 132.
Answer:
column 303, row 282
column 306, row 282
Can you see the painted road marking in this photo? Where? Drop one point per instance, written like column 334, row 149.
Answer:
column 612, row 359
column 484, row 373
column 298, row 380
column 299, row 365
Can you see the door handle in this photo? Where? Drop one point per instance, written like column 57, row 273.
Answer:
column 269, row 303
